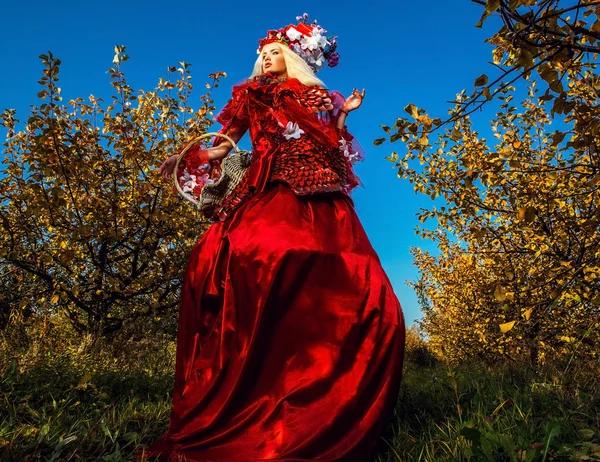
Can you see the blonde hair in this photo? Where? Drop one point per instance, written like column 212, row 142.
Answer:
column 296, row 68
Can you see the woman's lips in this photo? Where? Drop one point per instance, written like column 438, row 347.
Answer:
column 268, row 65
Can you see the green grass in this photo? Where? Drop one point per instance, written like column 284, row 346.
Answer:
column 495, row 414
column 53, row 413
column 64, row 408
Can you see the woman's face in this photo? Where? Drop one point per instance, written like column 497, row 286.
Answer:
column 272, row 60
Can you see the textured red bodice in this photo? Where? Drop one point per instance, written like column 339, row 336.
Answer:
column 290, row 142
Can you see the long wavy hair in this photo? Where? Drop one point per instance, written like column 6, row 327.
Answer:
column 296, row 68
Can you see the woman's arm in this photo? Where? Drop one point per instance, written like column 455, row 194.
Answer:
column 216, row 152
column 220, row 151
column 352, row 102
column 341, row 121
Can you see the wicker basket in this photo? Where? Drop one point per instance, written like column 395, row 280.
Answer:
column 233, row 168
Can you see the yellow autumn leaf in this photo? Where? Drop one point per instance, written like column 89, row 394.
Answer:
column 525, row 58
column 492, row 5
column 481, row 80
column 504, row 328
column 500, row 293
column 412, row 110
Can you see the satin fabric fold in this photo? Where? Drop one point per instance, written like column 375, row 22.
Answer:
column 290, row 341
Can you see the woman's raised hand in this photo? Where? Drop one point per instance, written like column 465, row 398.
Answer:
column 167, row 167
column 353, row 101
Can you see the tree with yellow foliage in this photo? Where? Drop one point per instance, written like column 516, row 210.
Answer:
column 85, row 218
column 518, row 270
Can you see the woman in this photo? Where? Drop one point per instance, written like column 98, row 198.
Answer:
column 291, row 340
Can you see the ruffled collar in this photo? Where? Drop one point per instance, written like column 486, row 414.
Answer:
column 268, row 78
column 269, row 84
column 269, row 89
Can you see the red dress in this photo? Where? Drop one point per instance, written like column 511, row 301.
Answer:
column 291, row 339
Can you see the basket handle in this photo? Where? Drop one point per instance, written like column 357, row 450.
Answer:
column 189, row 145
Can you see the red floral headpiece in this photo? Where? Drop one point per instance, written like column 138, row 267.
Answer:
column 306, row 40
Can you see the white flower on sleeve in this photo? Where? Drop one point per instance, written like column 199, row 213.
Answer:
column 292, row 130
column 353, row 158
column 294, row 34
column 345, row 149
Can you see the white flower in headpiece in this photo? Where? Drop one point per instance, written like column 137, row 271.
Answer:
column 323, row 42
column 294, row 34
column 315, row 40
column 292, row 130
column 317, row 58
column 311, row 42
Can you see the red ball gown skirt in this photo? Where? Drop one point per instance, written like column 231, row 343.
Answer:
column 290, row 340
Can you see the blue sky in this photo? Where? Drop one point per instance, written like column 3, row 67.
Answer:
column 401, row 52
